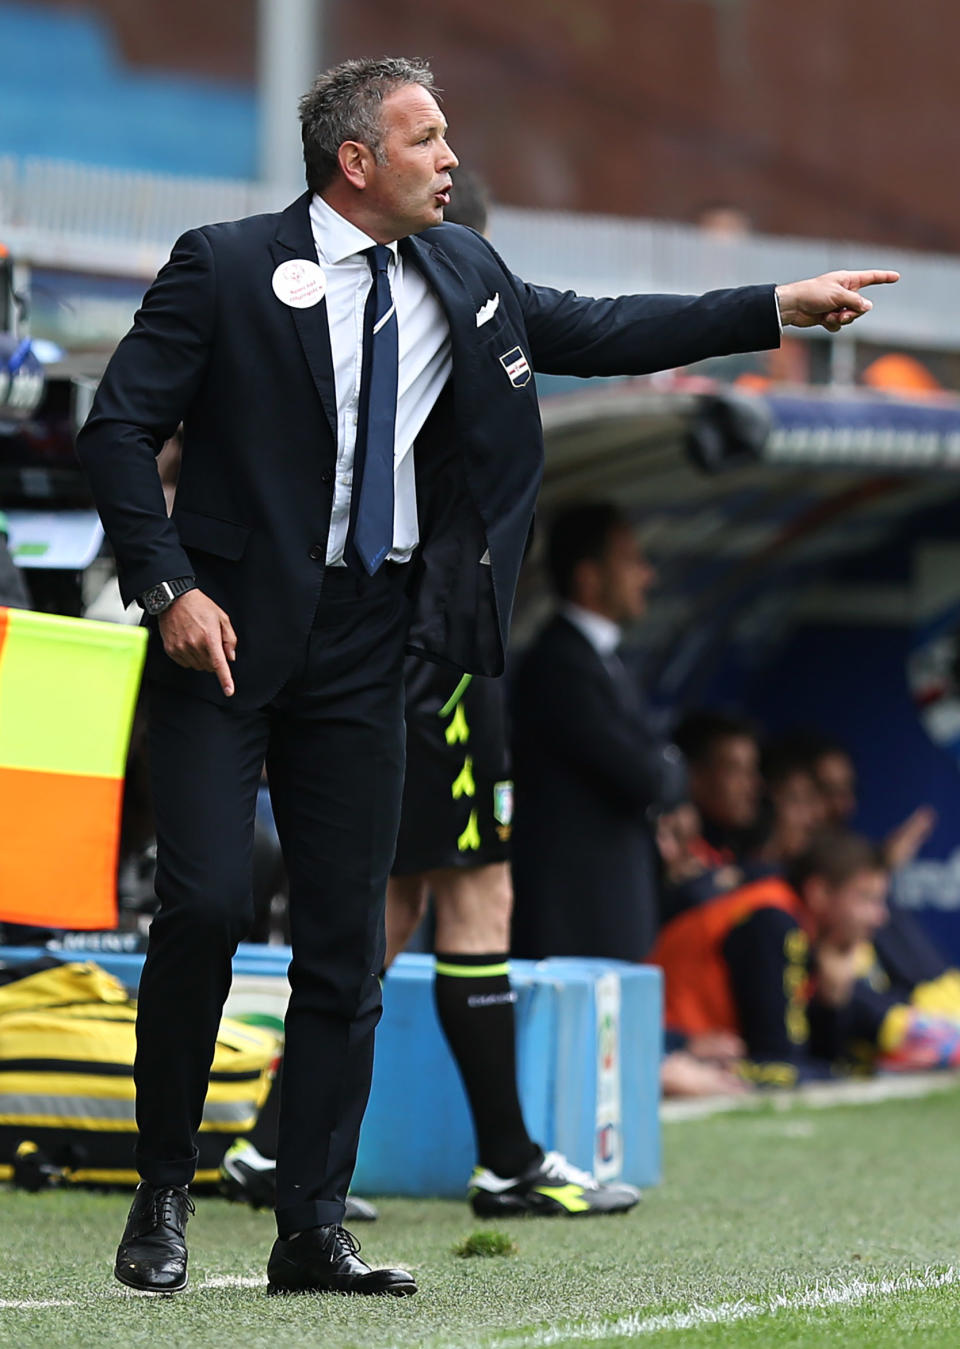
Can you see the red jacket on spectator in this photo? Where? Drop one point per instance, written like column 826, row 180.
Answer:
column 690, row 951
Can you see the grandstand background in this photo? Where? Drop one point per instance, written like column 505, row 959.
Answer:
column 818, row 585
column 650, row 109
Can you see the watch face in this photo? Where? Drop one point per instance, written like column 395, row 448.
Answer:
column 157, row 599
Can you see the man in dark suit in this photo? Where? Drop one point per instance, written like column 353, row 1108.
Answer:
column 306, row 354
column 589, row 771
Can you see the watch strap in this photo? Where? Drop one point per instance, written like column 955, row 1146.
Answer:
column 157, row 599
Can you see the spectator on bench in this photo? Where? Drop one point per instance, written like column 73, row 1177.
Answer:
column 723, row 761
column 835, row 773
column 705, row 842
column 793, row 808
column 773, row 961
column 906, row 1002
column 904, row 1011
column 700, row 864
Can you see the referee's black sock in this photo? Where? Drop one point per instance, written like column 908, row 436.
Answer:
column 475, row 1005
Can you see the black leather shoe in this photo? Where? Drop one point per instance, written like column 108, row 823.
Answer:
column 152, row 1254
column 326, row 1260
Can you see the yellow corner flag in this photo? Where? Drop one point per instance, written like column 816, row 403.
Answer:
column 68, row 688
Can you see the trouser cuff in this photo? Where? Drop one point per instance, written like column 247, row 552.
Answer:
column 315, row 1213
column 180, row 1171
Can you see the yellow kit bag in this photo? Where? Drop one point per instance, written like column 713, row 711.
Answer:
column 66, row 1075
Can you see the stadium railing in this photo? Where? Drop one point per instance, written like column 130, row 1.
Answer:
column 121, row 223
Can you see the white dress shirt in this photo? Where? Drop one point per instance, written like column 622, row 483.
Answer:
column 602, row 633
column 425, row 362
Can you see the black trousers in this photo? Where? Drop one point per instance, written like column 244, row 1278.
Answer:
column 333, row 741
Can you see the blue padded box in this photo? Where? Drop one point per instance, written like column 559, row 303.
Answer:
column 589, row 1044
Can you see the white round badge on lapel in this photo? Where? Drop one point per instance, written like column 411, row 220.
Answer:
column 299, row 283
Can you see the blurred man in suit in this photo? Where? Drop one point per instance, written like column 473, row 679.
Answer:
column 590, row 773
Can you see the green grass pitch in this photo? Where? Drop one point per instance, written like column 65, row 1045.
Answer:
column 800, row 1228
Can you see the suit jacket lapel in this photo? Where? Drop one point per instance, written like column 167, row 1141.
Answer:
column 450, row 290
column 294, row 239
column 626, row 690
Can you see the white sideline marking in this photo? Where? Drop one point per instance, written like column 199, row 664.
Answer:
column 810, row 1299
column 821, row 1295
column 815, row 1096
column 234, row 1281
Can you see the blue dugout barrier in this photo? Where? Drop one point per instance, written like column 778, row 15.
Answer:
column 589, row 1044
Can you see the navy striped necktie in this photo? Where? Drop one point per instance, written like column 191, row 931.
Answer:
column 371, row 523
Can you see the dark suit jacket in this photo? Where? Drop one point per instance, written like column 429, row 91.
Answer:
column 586, row 769
column 252, row 381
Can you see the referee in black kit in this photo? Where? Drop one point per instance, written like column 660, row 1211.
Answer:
column 306, row 354
column 454, row 843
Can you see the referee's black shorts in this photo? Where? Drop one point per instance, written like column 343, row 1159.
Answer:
column 458, row 794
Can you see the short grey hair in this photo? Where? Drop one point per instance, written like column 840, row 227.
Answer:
column 345, row 104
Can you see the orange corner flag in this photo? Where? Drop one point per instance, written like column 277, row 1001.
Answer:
column 68, row 688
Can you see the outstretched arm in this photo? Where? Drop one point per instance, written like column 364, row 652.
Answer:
column 571, row 334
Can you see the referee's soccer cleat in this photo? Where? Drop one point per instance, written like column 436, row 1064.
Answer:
column 549, row 1186
column 249, row 1178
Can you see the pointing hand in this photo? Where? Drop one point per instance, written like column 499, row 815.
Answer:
column 198, row 635
column 832, row 300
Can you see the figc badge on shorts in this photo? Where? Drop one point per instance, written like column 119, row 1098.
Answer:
column 503, row 809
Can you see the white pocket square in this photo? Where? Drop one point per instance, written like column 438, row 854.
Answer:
column 487, row 310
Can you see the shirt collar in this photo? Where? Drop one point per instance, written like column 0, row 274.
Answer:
column 336, row 237
column 602, row 633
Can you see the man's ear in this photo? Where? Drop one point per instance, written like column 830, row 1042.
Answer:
column 355, row 163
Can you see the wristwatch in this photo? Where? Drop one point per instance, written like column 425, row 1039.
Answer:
column 159, row 598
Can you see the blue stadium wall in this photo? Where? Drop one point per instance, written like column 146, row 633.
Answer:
column 65, row 93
